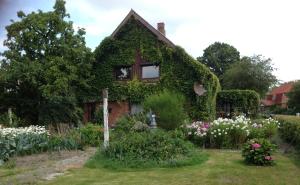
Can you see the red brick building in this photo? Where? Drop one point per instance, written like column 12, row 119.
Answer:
column 278, row 96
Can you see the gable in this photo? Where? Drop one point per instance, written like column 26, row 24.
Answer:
column 133, row 15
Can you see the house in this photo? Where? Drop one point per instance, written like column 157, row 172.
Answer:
column 137, row 60
column 278, row 95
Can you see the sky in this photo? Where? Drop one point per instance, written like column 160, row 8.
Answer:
column 267, row 27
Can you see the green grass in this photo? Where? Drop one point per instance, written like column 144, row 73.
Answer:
column 222, row 167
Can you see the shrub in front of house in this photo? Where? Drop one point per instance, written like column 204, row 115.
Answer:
column 150, row 148
column 258, row 152
column 91, row 134
column 168, row 107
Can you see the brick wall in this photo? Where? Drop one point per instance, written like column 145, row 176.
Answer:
column 116, row 110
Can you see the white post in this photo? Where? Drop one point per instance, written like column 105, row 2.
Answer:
column 105, row 117
column 10, row 117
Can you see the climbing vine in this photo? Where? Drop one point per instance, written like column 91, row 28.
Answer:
column 178, row 70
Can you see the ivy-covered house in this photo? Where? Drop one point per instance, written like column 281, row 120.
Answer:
column 137, row 60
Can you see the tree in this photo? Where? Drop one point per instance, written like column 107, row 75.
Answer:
column 294, row 97
column 47, row 67
column 219, row 56
column 254, row 73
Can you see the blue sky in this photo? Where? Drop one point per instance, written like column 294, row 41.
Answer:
column 267, row 27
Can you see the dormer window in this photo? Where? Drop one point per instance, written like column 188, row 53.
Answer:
column 150, row 71
column 123, row 73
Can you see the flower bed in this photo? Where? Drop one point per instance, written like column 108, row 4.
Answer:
column 23, row 140
column 36, row 139
column 230, row 133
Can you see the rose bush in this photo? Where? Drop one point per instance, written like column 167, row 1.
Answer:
column 258, row 152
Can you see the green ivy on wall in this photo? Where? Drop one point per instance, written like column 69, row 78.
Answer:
column 178, row 70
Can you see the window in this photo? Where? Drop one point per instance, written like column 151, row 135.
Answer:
column 123, row 73
column 150, row 71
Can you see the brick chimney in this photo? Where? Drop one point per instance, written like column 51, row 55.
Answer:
column 161, row 28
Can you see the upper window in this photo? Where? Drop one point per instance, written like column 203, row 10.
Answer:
column 150, row 71
column 123, row 73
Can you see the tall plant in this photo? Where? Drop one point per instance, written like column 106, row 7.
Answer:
column 168, row 107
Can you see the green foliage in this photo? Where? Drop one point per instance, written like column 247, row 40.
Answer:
column 91, row 135
column 294, row 97
column 31, row 140
column 258, row 152
column 253, row 73
column 219, row 56
column 147, row 149
column 47, row 67
column 168, row 107
column 245, row 101
column 178, row 70
column 290, row 129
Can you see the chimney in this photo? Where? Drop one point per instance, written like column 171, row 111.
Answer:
column 161, row 28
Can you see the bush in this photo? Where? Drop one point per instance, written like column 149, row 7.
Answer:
column 290, row 129
column 21, row 141
column 168, row 108
column 36, row 139
column 258, row 152
column 91, row 134
column 148, row 149
column 230, row 133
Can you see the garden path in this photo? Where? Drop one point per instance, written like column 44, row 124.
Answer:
column 34, row 168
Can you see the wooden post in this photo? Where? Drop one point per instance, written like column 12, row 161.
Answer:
column 105, row 117
column 10, row 117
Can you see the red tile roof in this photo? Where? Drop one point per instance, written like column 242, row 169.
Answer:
column 277, row 96
column 284, row 88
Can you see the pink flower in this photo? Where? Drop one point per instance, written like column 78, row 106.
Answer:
column 268, row 158
column 256, row 145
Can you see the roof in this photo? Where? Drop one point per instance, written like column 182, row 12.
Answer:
column 284, row 88
column 159, row 35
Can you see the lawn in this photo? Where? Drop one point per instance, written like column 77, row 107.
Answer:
column 222, row 167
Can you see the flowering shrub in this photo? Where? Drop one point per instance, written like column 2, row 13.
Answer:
column 35, row 139
column 197, row 132
column 264, row 128
column 23, row 140
column 230, row 132
column 258, row 152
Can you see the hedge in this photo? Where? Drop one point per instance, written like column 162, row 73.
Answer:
column 246, row 101
column 178, row 70
column 290, row 129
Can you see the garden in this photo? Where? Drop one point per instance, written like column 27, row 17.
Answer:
column 236, row 150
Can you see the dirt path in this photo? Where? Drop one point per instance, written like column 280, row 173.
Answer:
column 46, row 166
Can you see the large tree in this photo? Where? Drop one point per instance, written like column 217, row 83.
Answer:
column 46, row 69
column 253, row 73
column 219, row 56
column 294, row 97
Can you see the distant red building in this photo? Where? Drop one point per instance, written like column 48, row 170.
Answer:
column 278, row 95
